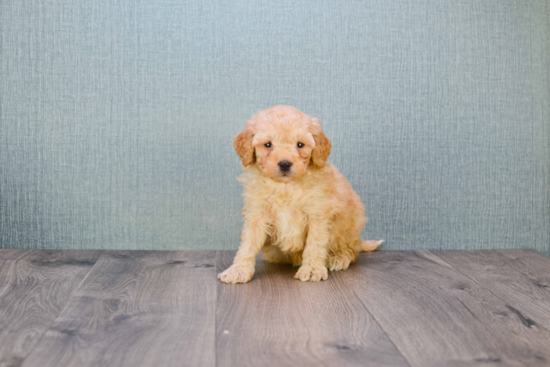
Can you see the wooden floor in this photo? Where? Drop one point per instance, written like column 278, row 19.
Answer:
column 166, row 308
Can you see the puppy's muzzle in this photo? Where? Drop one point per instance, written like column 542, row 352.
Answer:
column 285, row 166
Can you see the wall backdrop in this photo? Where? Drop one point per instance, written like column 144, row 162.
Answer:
column 118, row 116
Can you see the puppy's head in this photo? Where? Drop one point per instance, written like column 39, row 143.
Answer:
column 283, row 142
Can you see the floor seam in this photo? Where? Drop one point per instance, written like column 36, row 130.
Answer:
column 64, row 307
column 374, row 318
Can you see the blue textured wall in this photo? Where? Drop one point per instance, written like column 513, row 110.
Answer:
column 117, row 117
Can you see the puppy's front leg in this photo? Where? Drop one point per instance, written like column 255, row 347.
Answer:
column 314, row 258
column 252, row 239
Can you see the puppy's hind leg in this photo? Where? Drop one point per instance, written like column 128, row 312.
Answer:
column 341, row 260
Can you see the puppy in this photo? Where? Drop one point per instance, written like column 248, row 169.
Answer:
column 298, row 208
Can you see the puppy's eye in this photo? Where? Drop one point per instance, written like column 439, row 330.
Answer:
column 300, row 145
column 267, row 145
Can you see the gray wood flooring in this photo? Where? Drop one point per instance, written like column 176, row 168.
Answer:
column 166, row 308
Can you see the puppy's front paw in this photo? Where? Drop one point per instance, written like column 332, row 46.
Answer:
column 311, row 273
column 236, row 274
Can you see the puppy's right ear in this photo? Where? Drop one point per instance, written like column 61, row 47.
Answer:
column 243, row 145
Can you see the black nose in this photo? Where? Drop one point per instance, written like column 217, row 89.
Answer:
column 285, row 166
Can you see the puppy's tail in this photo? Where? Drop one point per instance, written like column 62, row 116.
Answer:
column 371, row 245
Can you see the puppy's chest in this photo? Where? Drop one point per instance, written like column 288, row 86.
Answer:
column 287, row 209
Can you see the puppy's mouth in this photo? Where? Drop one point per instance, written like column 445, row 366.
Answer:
column 285, row 175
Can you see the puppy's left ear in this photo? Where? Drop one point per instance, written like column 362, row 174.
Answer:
column 243, row 145
column 320, row 153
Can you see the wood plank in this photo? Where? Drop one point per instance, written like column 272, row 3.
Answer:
column 531, row 263
column 33, row 290
column 276, row 320
column 11, row 254
column 137, row 308
column 436, row 316
column 523, row 282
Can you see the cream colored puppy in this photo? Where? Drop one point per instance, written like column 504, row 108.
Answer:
column 298, row 208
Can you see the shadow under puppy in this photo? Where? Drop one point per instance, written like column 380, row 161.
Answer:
column 298, row 208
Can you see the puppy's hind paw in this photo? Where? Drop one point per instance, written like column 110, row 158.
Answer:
column 236, row 274
column 338, row 262
column 312, row 274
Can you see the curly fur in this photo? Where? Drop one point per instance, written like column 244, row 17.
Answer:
column 308, row 216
